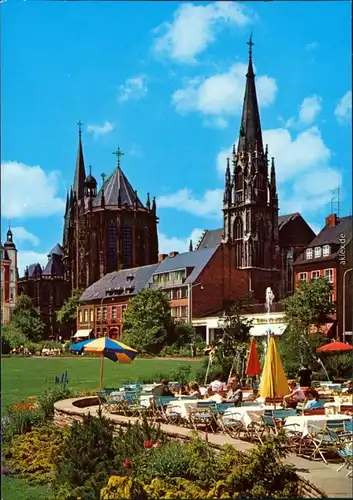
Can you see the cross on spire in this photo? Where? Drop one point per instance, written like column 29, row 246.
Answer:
column 250, row 43
column 79, row 128
column 118, row 154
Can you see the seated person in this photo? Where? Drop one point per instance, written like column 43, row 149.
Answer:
column 312, row 401
column 234, row 394
column 165, row 388
column 349, row 388
column 292, row 399
column 217, row 385
column 195, row 390
column 304, row 376
column 184, row 390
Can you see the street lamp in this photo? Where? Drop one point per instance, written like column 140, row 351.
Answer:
column 344, row 302
column 190, row 299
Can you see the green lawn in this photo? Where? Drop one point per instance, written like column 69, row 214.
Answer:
column 23, row 377
column 17, row 489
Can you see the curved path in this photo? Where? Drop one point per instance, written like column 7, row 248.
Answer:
column 324, row 477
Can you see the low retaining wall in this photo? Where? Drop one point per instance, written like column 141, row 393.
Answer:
column 68, row 411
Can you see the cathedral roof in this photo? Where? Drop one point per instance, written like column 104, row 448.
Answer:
column 57, row 250
column 80, row 174
column 117, row 191
column 34, row 270
column 129, row 282
column 54, row 266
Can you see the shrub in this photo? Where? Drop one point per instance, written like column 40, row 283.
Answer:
column 88, row 459
column 21, row 420
column 122, row 487
column 168, row 461
column 47, row 399
column 180, row 374
column 31, row 456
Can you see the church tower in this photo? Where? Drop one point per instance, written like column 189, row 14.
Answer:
column 250, row 204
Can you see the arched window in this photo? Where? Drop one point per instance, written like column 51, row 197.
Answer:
column 127, row 244
column 239, row 179
column 112, row 254
column 238, row 229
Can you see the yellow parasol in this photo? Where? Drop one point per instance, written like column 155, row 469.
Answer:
column 273, row 380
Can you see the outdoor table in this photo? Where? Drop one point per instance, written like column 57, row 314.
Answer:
column 304, row 423
column 246, row 414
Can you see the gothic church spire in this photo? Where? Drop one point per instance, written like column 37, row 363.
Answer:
column 250, row 137
column 80, row 174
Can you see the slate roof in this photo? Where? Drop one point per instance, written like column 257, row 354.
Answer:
column 34, row 269
column 57, row 250
column 116, row 182
column 330, row 236
column 196, row 260
column 212, row 237
column 54, row 266
column 119, row 279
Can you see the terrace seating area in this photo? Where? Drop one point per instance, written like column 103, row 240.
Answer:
column 324, row 434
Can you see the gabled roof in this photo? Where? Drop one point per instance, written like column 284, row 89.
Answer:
column 117, row 182
column 284, row 219
column 329, row 236
column 34, row 270
column 210, row 239
column 54, row 266
column 119, row 279
column 196, row 260
column 57, row 250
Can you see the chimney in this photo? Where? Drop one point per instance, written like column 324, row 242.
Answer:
column 173, row 254
column 161, row 257
column 331, row 220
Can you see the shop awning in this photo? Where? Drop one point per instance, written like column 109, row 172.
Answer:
column 262, row 330
column 323, row 329
column 81, row 334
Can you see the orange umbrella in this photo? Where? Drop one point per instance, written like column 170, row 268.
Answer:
column 253, row 364
column 335, row 346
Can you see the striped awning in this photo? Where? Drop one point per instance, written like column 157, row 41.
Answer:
column 81, row 334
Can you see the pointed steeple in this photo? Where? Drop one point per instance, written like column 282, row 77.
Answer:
column 148, row 202
column 154, row 206
column 273, row 174
column 250, row 129
column 67, row 204
column 80, row 174
column 191, row 248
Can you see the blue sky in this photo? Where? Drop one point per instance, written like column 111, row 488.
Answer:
column 165, row 82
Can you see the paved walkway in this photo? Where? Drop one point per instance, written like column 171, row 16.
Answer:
column 325, row 477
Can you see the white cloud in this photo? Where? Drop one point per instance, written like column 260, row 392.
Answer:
column 209, row 205
column 308, row 112
column 133, row 89
column 343, row 111
column 312, row 46
column 98, row 130
column 20, row 234
column 29, row 191
column 180, row 245
column 221, row 95
column 27, row 257
column 195, row 27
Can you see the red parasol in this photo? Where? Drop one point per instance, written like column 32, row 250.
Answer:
column 335, row 346
column 253, row 364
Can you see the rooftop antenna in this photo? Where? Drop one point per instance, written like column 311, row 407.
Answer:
column 335, row 201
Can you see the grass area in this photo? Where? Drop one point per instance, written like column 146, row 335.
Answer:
column 23, row 377
column 18, row 489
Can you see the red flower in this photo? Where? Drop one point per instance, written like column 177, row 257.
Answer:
column 127, row 463
column 157, row 444
column 147, row 444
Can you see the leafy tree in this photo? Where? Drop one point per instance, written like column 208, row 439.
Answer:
column 309, row 306
column 26, row 319
column 12, row 338
column 147, row 322
column 68, row 311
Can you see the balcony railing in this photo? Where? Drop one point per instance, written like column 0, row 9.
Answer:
column 167, row 284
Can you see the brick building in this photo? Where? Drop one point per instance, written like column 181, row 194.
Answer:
column 195, row 282
column 263, row 243
column 108, row 230
column 48, row 289
column 330, row 255
column 9, row 277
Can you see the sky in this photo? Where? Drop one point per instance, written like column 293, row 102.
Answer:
column 164, row 81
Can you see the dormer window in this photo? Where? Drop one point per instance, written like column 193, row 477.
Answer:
column 317, row 252
column 326, row 250
column 309, row 253
column 130, row 277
